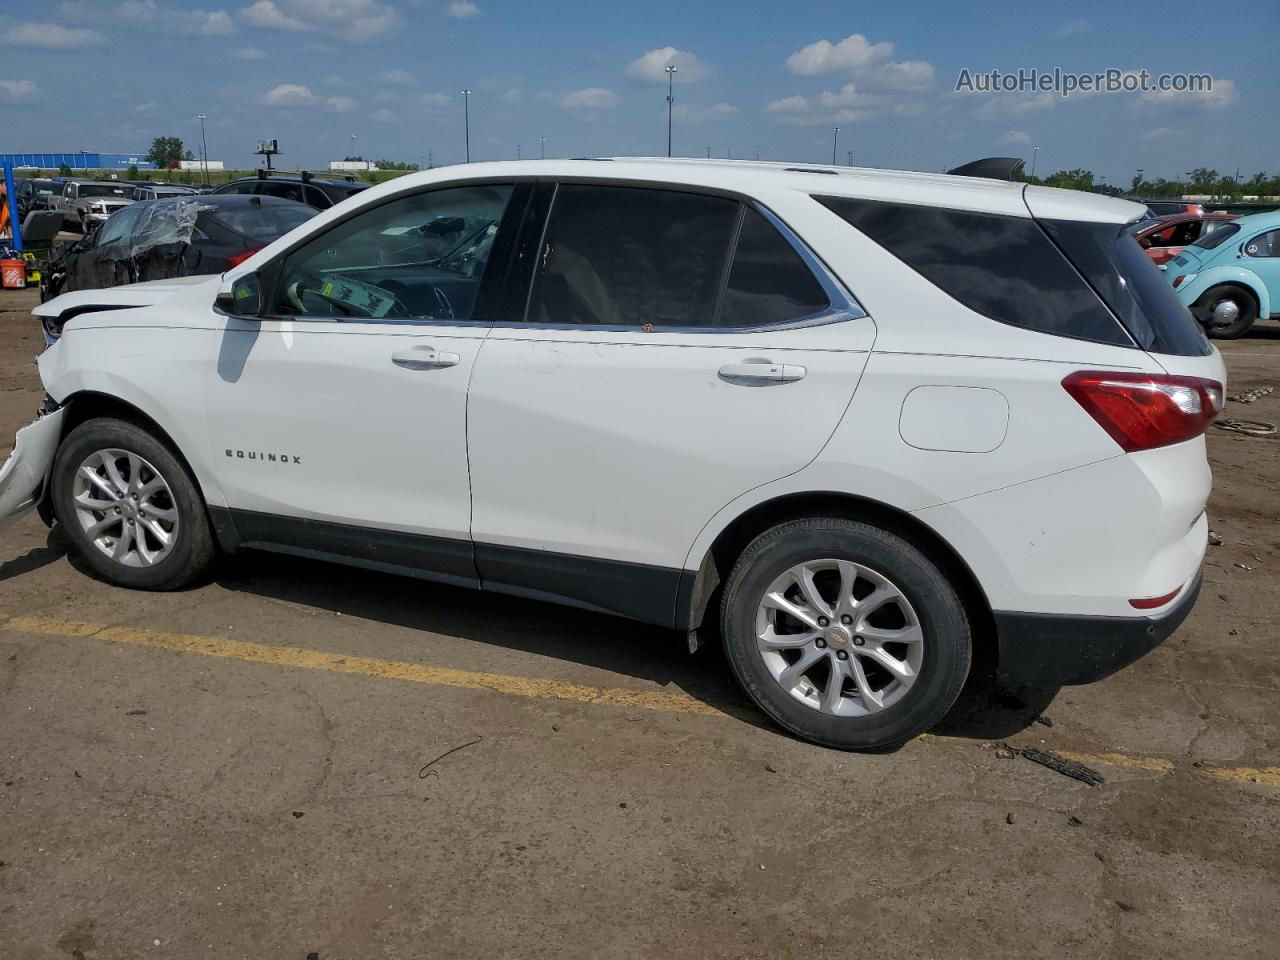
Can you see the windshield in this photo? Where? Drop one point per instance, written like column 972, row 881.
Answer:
column 266, row 222
column 1215, row 238
column 106, row 190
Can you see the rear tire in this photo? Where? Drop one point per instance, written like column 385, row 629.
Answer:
column 845, row 634
column 1229, row 312
column 129, row 507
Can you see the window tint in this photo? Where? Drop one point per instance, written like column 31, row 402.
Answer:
column 1132, row 287
column 1000, row 266
column 769, row 283
column 629, row 256
column 316, row 198
column 414, row 258
column 118, row 228
column 1263, row 245
column 242, row 186
column 262, row 223
column 1218, row 236
column 283, row 189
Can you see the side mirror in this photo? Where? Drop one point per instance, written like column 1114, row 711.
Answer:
column 244, row 299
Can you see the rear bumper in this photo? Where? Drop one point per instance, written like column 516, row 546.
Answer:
column 23, row 475
column 1051, row 650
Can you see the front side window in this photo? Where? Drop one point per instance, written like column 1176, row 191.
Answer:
column 115, row 233
column 638, row 257
column 420, row 257
column 1263, row 245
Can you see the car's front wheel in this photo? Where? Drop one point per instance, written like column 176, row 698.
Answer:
column 130, row 507
column 845, row 634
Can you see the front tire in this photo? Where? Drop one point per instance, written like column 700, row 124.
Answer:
column 1228, row 312
column 130, row 508
column 845, row 634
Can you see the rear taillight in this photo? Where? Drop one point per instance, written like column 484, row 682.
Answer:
column 1142, row 411
column 1178, row 279
column 240, row 258
column 1151, row 603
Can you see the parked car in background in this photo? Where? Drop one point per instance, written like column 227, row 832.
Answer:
column 87, row 203
column 1231, row 277
column 1165, row 238
column 34, row 194
column 172, row 237
column 160, row 190
column 799, row 410
column 317, row 192
column 1168, row 208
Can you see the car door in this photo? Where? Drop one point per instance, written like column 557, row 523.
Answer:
column 338, row 419
column 1262, row 255
column 676, row 349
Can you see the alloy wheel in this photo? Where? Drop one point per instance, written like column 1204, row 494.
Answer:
column 839, row 637
column 125, row 507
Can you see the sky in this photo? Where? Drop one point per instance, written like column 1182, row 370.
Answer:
column 382, row 79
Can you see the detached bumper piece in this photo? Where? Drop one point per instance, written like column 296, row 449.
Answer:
column 1050, row 650
column 23, row 475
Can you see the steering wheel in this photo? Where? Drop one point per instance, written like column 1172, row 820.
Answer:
column 296, row 291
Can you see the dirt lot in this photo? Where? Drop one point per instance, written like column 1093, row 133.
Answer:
column 242, row 770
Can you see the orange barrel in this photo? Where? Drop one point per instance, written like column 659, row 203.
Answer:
column 13, row 274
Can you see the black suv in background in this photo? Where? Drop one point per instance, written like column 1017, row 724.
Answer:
column 300, row 188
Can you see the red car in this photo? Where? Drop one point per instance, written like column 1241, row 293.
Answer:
column 1165, row 238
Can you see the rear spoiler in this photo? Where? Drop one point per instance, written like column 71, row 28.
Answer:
column 992, row 168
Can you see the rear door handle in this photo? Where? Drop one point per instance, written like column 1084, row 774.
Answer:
column 423, row 357
column 762, row 371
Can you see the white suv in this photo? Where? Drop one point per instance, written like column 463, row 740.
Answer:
column 865, row 423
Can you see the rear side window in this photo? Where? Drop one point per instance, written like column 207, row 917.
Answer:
column 1132, row 287
column 768, row 283
column 262, row 223
column 283, row 189
column 1002, row 267
column 632, row 256
column 1264, row 245
column 627, row 256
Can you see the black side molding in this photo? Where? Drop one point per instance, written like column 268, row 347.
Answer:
column 992, row 168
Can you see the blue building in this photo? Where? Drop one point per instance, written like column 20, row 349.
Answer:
column 80, row 160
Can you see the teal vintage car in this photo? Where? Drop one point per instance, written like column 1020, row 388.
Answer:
column 1231, row 277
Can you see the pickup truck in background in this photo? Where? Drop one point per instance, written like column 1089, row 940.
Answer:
column 87, row 203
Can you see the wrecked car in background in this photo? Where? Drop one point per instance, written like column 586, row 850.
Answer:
column 173, row 237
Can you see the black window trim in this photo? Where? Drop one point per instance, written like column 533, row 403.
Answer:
column 843, row 305
column 269, row 273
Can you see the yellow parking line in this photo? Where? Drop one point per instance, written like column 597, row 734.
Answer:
column 307, row 659
column 666, row 701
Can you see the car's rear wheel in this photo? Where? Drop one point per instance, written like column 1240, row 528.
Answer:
column 1228, row 312
column 130, row 507
column 845, row 634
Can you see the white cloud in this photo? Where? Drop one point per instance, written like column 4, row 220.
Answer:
column 852, row 54
column 788, row 105
column 436, row 101
column 1157, row 134
column 1074, row 27
column 348, row 20
column 52, row 36
column 386, row 116
column 589, row 98
column 1015, row 136
column 248, row 53
column 17, row 89
column 905, row 76
column 402, row 77
column 463, row 9
column 297, row 95
column 652, row 66
column 693, row 112
column 1011, row 106
column 208, row 23
column 513, row 96
column 1223, row 94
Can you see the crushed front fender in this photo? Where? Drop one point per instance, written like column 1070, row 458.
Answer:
column 23, row 475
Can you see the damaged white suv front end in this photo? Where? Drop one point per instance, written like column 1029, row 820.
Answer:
column 23, row 476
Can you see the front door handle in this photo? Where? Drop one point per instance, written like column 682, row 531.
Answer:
column 423, row 357
column 761, row 371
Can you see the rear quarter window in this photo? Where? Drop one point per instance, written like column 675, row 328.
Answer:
column 1002, row 267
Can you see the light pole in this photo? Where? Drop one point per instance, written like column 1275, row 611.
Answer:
column 204, row 146
column 835, row 139
column 1035, row 152
column 518, row 157
column 466, row 120
column 671, row 78
column 850, row 153
column 542, row 148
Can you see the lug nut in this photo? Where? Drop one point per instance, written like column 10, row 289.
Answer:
column 822, row 644
column 858, row 641
column 846, row 619
column 823, row 621
column 131, row 521
column 841, row 655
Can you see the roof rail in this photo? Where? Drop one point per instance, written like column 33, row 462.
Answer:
column 993, row 168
